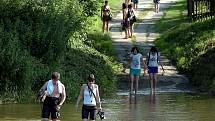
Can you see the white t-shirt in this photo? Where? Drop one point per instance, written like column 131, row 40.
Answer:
column 135, row 61
column 153, row 59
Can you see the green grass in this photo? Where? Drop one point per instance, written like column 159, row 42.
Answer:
column 189, row 45
column 115, row 5
column 173, row 17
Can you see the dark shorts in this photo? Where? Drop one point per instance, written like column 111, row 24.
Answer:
column 156, row 1
column 89, row 110
column 135, row 1
column 153, row 70
column 50, row 107
column 106, row 18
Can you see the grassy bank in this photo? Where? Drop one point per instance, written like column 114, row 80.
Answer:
column 189, row 45
column 39, row 37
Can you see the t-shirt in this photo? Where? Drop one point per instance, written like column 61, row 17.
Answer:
column 135, row 61
column 153, row 59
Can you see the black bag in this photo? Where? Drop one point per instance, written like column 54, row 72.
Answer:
column 101, row 114
column 40, row 95
column 134, row 19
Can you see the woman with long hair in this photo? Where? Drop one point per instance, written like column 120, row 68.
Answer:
column 152, row 63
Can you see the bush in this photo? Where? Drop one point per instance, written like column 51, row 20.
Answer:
column 39, row 37
column 191, row 46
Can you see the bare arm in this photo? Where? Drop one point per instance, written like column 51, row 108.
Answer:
column 63, row 95
column 80, row 95
column 98, row 97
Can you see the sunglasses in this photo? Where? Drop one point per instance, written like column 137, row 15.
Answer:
column 91, row 80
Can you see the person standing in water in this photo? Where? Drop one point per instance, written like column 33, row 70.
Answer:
column 152, row 63
column 91, row 99
column 135, row 67
column 54, row 98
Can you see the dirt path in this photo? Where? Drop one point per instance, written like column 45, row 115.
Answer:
column 145, row 35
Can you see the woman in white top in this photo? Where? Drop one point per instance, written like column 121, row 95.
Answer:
column 152, row 63
column 135, row 68
column 90, row 93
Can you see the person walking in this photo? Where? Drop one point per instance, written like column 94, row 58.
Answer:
column 135, row 67
column 157, row 5
column 91, row 99
column 135, row 3
column 152, row 63
column 106, row 16
column 132, row 19
column 54, row 98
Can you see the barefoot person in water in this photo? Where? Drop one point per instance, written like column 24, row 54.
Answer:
column 135, row 68
column 152, row 63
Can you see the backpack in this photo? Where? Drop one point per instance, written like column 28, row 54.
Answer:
column 149, row 58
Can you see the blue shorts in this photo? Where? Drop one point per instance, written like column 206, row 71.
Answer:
column 153, row 70
column 135, row 72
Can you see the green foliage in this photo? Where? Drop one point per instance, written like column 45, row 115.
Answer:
column 190, row 46
column 39, row 37
column 91, row 7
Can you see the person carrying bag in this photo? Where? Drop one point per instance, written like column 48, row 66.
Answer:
column 91, row 100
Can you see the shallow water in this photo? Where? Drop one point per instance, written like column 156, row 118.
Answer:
column 165, row 106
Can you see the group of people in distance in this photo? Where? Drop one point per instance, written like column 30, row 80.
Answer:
column 128, row 8
column 129, row 19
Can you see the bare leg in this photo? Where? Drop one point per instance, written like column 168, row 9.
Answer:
column 45, row 119
column 158, row 8
column 154, row 81
column 103, row 27
column 137, row 80
column 126, row 33
column 155, row 8
column 107, row 26
column 151, row 83
column 132, row 83
column 55, row 120
column 131, row 30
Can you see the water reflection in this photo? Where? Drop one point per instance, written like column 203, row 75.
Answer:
column 159, row 107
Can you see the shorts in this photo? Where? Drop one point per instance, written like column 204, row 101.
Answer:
column 89, row 110
column 135, row 72
column 106, row 18
column 156, row 1
column 50, row 107
column 135, row 1
column 153, row 70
